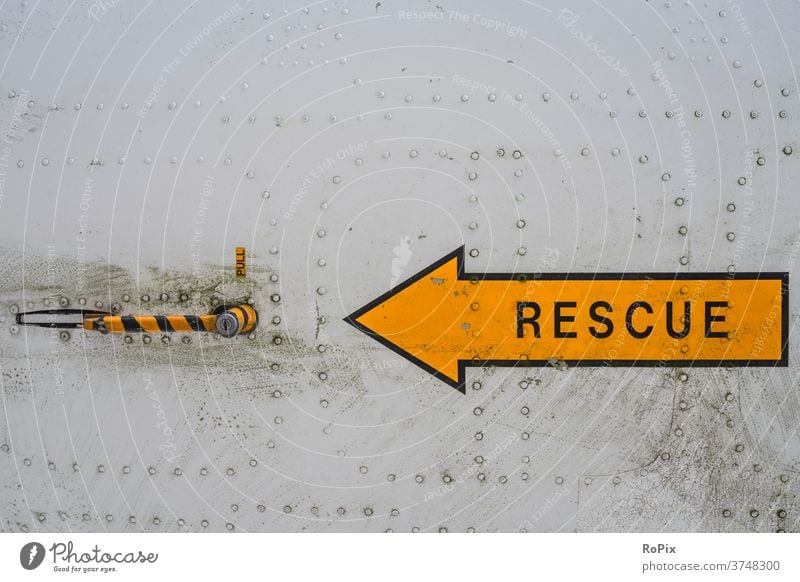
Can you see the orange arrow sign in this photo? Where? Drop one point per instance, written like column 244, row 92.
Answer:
column 443, row 319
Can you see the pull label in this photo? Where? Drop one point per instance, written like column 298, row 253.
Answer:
column 241, row 262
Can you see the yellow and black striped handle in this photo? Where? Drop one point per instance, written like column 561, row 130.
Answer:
column 227, row 321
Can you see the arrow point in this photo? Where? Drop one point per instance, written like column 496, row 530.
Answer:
column 415, row 315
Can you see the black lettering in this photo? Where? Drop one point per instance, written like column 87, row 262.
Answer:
column 712, row 318
column 629, row 319
column 532, row 320
column 558, row 318
column 687, row 320
column 601, row 319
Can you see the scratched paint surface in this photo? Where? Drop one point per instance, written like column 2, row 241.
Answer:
column 443, row 317
column 346, row 147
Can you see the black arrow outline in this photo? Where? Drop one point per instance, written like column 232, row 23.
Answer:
column 460, row 384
